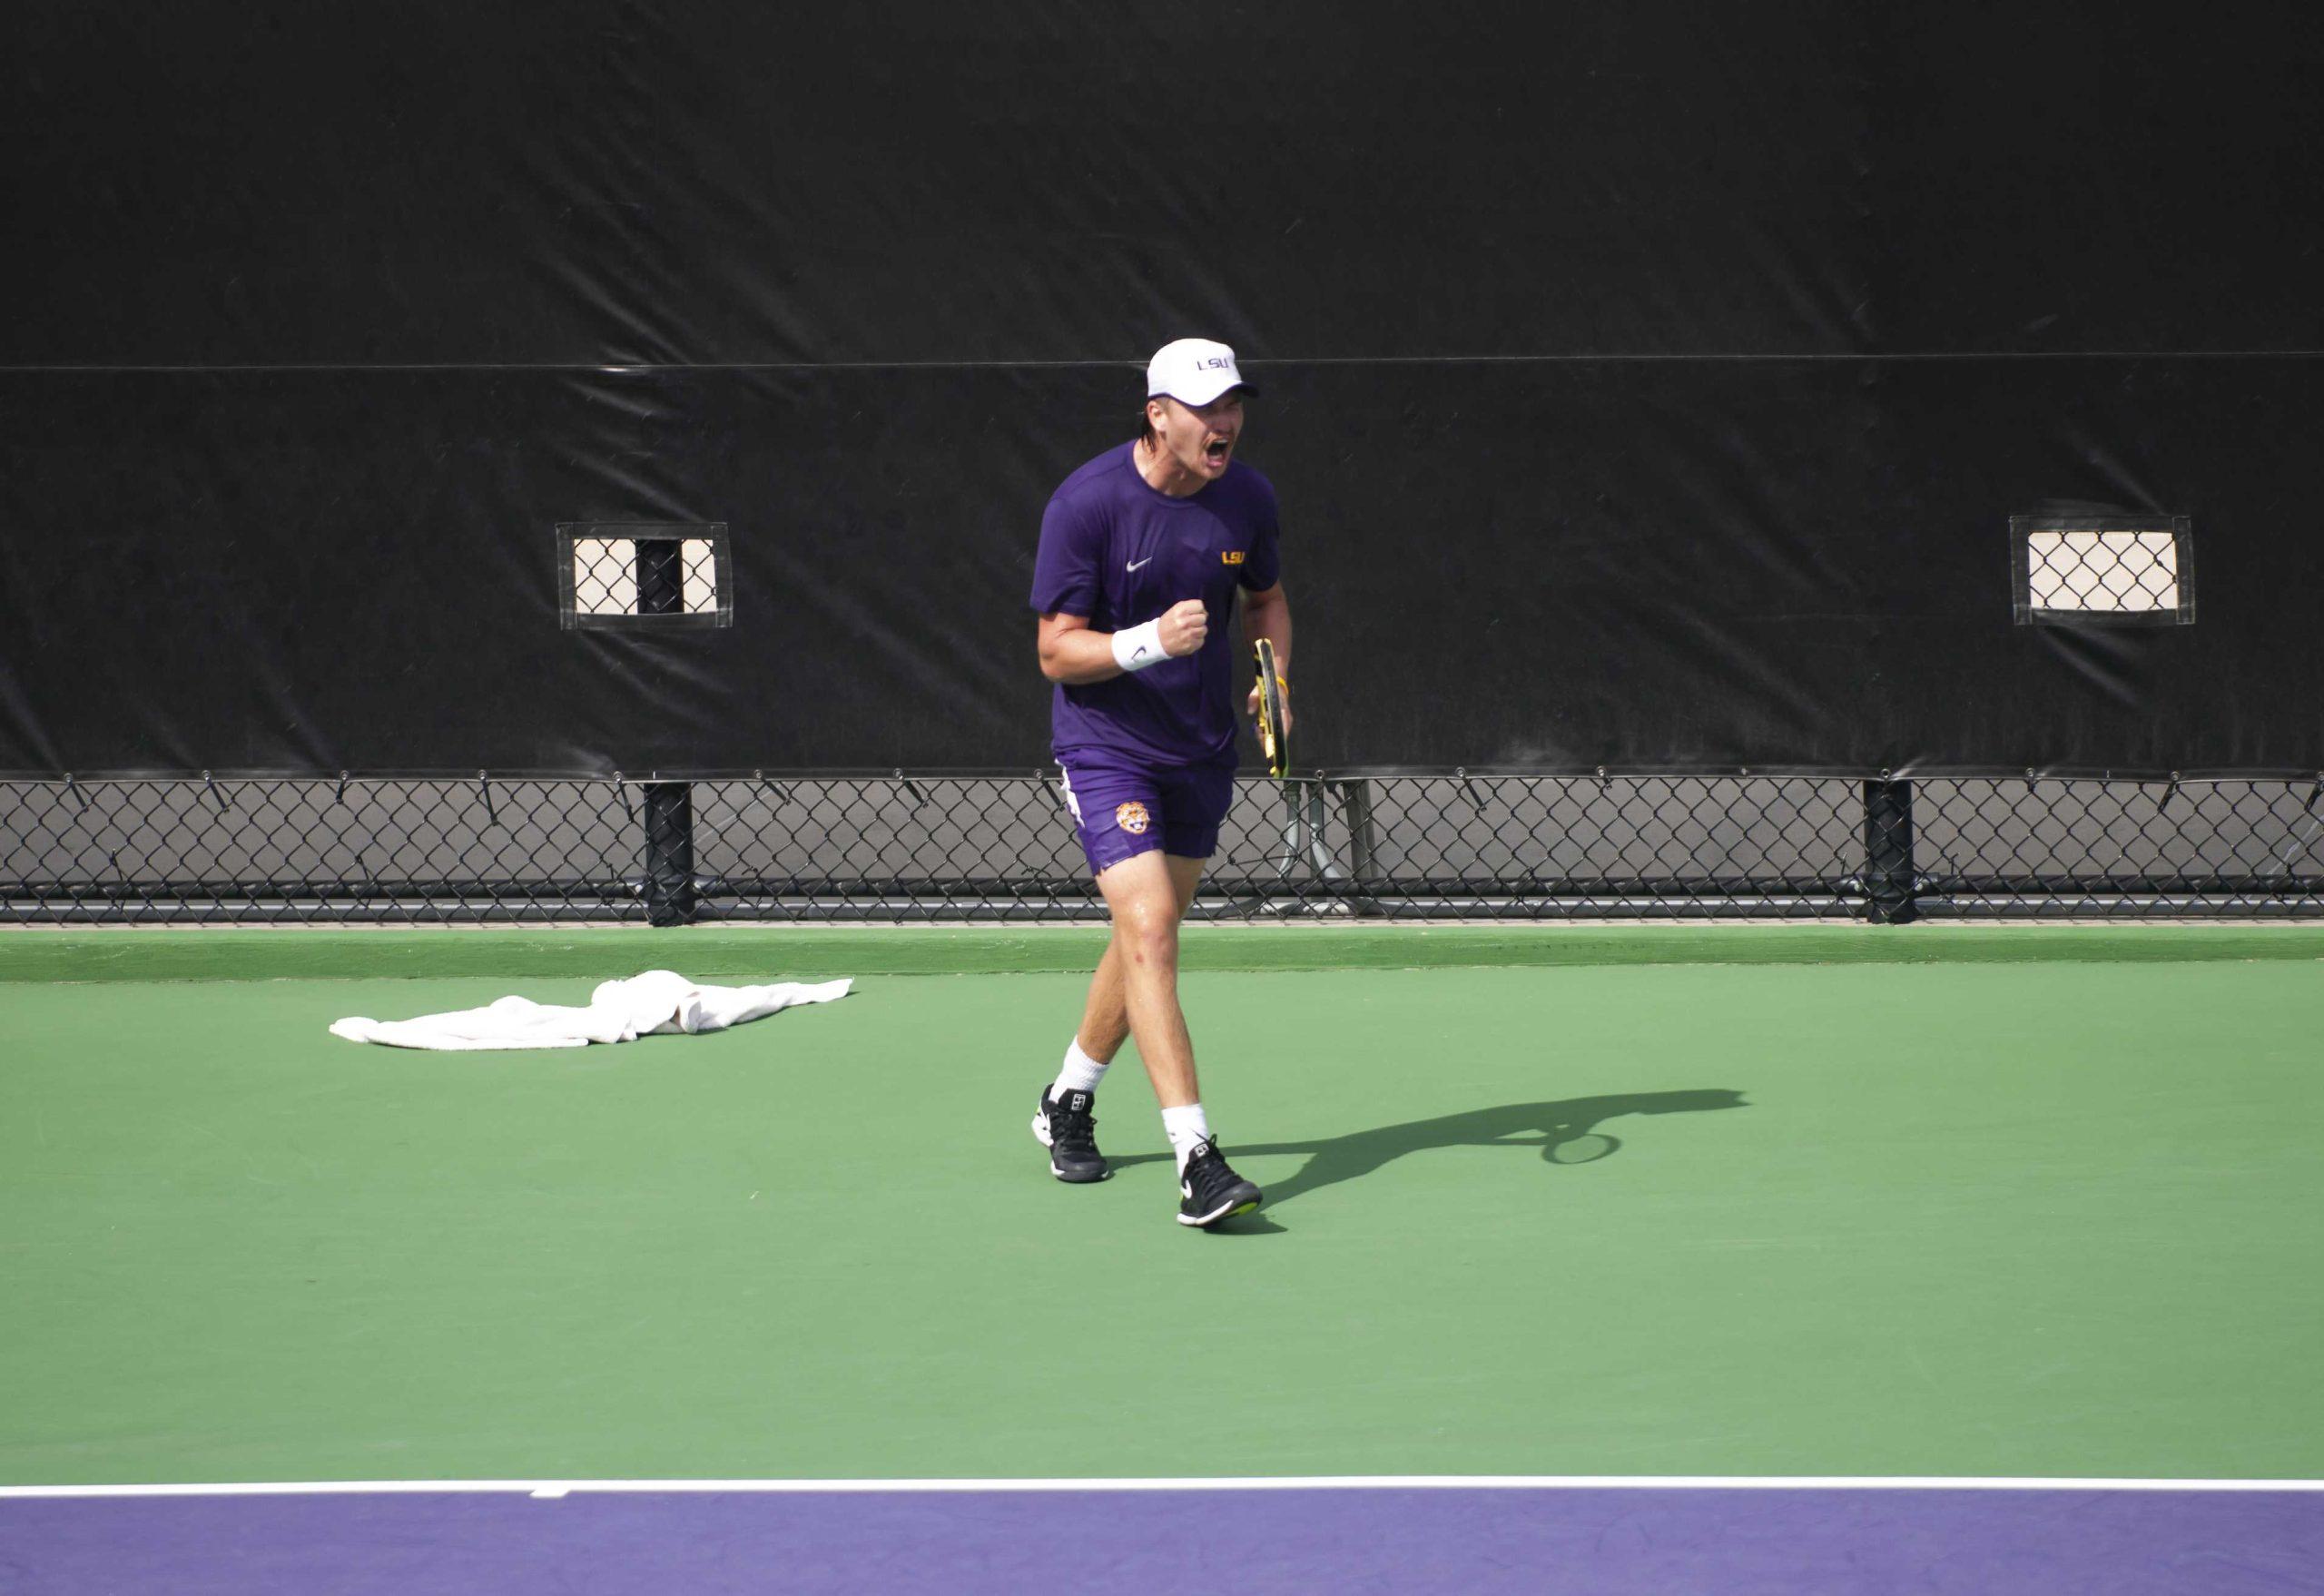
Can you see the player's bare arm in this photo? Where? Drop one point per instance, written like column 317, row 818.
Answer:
column 1071, row 653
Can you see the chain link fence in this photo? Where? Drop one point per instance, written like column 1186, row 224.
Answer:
column 1001, row 848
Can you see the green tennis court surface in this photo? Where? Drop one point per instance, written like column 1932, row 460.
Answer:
column 2045, row 1211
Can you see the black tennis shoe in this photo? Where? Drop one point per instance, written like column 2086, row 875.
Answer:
column 1068, row 1129
column 1208, row 1191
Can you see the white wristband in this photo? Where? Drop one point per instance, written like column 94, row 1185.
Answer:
column 1139, row 648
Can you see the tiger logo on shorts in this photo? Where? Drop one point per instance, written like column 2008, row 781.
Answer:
column 1132, row 818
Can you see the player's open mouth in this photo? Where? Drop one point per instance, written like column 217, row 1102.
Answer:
column 1217, row 452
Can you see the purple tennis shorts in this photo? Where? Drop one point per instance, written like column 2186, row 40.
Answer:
column 1122, row 808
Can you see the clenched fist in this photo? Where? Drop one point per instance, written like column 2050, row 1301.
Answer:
column 1184, row 625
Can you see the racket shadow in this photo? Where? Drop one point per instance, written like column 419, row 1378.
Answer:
column 1564, row 1131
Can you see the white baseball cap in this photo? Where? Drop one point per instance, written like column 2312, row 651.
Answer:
column 1194, row 371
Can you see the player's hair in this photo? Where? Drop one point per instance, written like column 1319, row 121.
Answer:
column 1146, row 433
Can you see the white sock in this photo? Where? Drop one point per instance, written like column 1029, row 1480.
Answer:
column 1081, row 1073
column 1185, row 1128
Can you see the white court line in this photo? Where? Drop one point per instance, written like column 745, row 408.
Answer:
column 551, row 1489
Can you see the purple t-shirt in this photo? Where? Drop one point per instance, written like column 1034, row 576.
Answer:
column 1121, row 551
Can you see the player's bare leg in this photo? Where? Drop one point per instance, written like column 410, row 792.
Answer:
column 1105, row 1018
column 1142, row 951
column 1143, row 896
column 1143, row 891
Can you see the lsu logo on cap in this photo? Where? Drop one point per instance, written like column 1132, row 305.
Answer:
column 1233, row 556
column 1132, row 818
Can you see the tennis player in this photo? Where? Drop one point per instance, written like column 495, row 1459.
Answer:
column 1143, row 551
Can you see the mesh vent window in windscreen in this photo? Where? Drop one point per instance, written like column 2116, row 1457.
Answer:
column 649, row 573
column 2122, row 568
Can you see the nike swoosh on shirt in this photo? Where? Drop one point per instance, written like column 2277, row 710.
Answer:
column 1147, row 561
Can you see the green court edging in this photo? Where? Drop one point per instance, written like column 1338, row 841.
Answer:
column 770, row 952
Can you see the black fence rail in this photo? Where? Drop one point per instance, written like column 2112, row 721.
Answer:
column 967, row 848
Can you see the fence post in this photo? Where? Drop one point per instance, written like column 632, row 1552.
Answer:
column 1362, row 839
column 1888, row 878
column 669, row 805
column 669, row 853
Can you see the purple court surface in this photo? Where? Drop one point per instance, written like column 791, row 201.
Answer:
column 2055, row 1541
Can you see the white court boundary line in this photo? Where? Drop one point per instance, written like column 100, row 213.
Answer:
column 552, row 1489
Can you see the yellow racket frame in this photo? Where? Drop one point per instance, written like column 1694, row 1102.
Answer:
column 1275, row 735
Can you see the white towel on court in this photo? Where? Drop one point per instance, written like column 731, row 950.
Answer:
column 660, row 1003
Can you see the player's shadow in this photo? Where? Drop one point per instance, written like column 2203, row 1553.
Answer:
column 1565, row 1131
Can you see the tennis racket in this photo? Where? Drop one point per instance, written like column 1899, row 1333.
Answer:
column 1274, row 730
